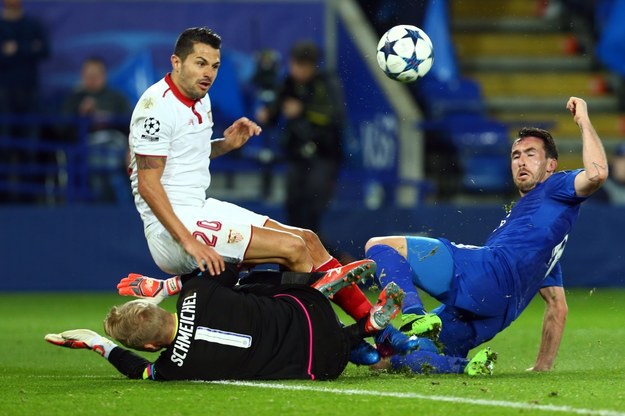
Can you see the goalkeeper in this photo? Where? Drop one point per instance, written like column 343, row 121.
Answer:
column 254, row 331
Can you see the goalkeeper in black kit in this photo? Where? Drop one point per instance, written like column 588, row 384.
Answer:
column 254, row 331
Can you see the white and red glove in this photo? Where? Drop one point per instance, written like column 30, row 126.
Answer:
column 149, row 288
column 82, row 339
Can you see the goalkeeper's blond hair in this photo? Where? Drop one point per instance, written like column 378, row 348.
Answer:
column 137, row 323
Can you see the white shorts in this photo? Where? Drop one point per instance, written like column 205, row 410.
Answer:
column 224, row 226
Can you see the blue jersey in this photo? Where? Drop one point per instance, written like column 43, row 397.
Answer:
column 494, row 283
column 531, row 239
column 499, row 279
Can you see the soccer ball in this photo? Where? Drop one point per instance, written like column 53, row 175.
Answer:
column 405, row 53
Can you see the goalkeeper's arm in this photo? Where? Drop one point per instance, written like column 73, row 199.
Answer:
column 132, row 365
column 156, row 290
column 126, row 362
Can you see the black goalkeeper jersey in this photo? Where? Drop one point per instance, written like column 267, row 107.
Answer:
column 256, row 332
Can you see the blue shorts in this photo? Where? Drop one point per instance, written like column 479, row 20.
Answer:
column 432, row 265
column 470, row 283
column 462, row 331
column 467, row 277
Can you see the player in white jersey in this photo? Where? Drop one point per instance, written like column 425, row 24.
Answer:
column 171, row 148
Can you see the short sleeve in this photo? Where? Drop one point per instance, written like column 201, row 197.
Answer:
column 151, row 127
column 561, row 186
column 554, row 278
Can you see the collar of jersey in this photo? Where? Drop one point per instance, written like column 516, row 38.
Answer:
column 178, row 94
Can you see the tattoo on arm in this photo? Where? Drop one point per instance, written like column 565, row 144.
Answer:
column 598, row 169
column 150, row 162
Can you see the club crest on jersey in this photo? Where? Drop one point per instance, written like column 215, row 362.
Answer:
column 234, row 237
column 147, row 103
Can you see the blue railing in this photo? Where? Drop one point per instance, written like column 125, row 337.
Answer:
column 54, row 160
column 48, row 157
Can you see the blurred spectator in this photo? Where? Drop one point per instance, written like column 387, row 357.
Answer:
column 613, row 190
column 108, row 113
column 266, row 82
column 23, row 45
column 311, row 102
column 266, row 78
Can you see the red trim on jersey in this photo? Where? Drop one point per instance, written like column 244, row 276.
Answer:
column 177, row 93
column 181, row 97
column 249, row 242
column 143, row 154
column 199, row 117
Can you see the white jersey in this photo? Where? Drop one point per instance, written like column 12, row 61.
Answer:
column 168, row 124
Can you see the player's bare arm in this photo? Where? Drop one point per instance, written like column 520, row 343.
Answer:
column 554, row 321
column 235, row 136
column 593, row 155
column 149, row 172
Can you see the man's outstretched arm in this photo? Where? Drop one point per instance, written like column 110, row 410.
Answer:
column 593, row 155
column 554, row 321
column 130, row 364
column 126, row 362
column 235, row 136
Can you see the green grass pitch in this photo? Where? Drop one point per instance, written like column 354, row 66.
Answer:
column 40, row 379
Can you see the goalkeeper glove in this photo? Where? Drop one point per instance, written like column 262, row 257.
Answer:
column 82, row 339
column 149, row 288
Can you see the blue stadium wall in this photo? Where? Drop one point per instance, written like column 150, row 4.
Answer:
column 91, row 248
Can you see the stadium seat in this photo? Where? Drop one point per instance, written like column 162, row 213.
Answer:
column 484, row 153
column 440, row 99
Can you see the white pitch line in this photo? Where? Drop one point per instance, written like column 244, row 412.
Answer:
column 398, row 395
column 450, row 399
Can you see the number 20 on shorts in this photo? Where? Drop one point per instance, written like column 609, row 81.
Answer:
column 208, row 239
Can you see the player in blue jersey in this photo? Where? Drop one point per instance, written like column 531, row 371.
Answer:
column 484, row 289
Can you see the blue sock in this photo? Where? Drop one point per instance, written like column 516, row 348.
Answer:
column 393, row 267
column 422, row 361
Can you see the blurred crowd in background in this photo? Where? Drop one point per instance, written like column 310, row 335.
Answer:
column 298, row 102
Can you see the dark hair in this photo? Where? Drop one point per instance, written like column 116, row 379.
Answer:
column 551, row 151
column 305, row 52
column 191, row 36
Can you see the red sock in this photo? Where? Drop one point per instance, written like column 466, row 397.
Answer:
column 353, row 301
column 332, row 263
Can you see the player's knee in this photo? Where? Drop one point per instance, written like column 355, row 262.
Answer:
column 375, row 241
column 385, row 243
column 311, row 239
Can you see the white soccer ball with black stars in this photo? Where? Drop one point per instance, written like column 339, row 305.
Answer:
column 405, row 53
